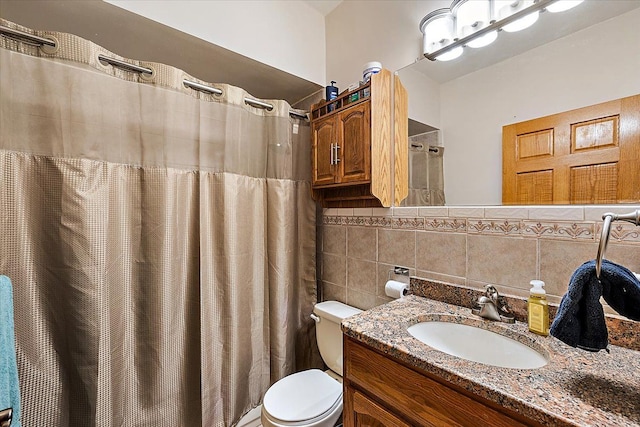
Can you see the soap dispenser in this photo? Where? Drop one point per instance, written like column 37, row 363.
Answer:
column 538, row 309
column 331, row 93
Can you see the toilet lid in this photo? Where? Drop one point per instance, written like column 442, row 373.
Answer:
column 302, row 396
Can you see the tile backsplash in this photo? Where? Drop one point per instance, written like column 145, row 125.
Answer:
column 471, row 246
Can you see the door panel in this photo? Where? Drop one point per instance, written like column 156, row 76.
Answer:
column 535, row 187
column 595, row 134
column 355, row 148
column 594, row 184
column 324, row 136
column 535, row 144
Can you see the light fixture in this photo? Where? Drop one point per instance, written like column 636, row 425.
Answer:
column 472, row 16
column 506, row 8
column 476, row 23
column 438, row 28
column 562, row 5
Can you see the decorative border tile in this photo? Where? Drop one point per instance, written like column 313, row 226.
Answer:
column 500, row 226
column 563, row 230
column 446, row 224
column 408, row 223
column 333, row 220
column 380, row 221
column 622, row 232
column 357, row 220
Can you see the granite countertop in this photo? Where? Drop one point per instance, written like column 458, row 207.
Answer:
column 576, row 387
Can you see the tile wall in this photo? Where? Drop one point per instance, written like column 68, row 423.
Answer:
column 472, row 246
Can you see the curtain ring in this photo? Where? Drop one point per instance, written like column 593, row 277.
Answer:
column 50, row 50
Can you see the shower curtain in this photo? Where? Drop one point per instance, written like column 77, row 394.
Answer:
column 161, row 241
column 426, row 171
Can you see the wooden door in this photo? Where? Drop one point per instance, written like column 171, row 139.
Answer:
column 324, row 136
column 354, row 154
column 589, row 155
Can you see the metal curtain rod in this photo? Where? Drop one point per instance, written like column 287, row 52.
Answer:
column 22, row 36
column 258, row 104
column 298, row 115
column 250, row 101
column 201, row 87
column 125, row 65
column 30, row 38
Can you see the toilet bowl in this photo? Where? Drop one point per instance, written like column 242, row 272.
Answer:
column 312, row 398
column 307, row 398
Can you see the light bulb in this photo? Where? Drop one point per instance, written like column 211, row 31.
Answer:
column 562, row 5
column 522, row 23
column 452, row 54
column 485, row 40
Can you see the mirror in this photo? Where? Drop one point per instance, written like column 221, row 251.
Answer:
column 565, row 61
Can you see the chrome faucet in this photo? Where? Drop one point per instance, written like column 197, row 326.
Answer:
column 492, row 306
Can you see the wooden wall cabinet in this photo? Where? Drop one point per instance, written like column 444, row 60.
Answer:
column 359, row 145
column 380, row 391
column 342, row 151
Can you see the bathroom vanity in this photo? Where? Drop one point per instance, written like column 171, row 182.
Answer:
column 393, row 379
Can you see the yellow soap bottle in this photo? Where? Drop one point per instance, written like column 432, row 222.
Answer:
column 538, row 309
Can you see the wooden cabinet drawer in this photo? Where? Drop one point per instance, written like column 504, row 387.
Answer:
column 423, row 400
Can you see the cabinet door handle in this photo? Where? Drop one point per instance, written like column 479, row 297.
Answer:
column 331, row 155
column 336, row 156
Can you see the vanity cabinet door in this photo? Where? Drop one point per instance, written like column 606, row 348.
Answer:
column 367, row 413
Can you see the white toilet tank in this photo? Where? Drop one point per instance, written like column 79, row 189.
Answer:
column 328, row 332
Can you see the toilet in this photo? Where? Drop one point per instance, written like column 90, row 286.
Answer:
column 312, row 398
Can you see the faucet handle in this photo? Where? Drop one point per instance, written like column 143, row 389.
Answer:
column 492, row 293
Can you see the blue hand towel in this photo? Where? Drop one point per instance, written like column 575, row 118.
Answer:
column 620, row 289
column 580, row 320
column 9, row 386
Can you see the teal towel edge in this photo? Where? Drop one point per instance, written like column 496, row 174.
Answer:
column 7, row 335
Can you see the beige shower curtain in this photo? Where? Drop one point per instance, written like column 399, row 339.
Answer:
column 426, row 171
column 161, row 241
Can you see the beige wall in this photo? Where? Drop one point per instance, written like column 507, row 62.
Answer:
column 473, row 246
column 384, row 30
column 424, row 97
column 288, row 35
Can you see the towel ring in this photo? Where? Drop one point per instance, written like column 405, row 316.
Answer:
column 6, row 415
column 633, row 217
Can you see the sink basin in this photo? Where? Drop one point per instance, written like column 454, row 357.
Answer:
column 477, row 344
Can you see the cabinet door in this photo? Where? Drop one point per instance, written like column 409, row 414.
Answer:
column 324, row 138
column 354, row 154
column 367, row 413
